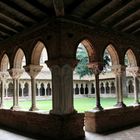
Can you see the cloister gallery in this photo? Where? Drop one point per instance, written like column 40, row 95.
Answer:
column 81, row 86
column 39, row 41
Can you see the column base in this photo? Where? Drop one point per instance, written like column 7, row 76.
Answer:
column 15, row 107
column 136, row 104
column 98, row 108
column 120, row 104
column 33, row 108
column 1, row 106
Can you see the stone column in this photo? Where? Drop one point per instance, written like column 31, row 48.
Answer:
column 97, row 68
column 120, row 83
column 135, row 72
column 30, row 90
column 33, row 71
column 3, row 77
column 38, row 88
column 6, row 87
column 62, row 85
column 22, row 87
column 15, row 73
column 45, row 87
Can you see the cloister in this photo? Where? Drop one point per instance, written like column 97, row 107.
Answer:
column 59, row 27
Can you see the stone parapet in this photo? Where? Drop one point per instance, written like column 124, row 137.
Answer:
column 111, row 119
column 65, row 127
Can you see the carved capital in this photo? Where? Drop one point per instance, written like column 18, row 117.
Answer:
column 119, row 69
column 96, row 67
column 61, row 62
column 15, row 73
column 33, row 70
column 134, row 71
column 4, row 75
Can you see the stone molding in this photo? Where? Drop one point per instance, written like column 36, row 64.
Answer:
column 15, row 73
column 134, row 71
column 96, row 67
column 3, row 75
column 33, row 70
column 119, row 69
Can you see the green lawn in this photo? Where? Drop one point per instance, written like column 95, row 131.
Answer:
column 80, row 104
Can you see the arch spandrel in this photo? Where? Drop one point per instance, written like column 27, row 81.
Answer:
column 36, row 53
column 131, row 58
column 90, row 48
column 18, row 59
column 113, row 54
column 4, row 63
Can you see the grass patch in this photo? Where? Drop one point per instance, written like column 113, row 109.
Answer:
column 80, row 104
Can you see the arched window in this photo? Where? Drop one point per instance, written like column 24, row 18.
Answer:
column 10, row 89
column 26, row 89
column 42, row 90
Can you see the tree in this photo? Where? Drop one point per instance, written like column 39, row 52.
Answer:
column 82, row 68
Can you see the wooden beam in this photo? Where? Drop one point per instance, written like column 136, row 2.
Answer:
column 59, row 7
column 127, row 20
column 70, row 8
column 134, row 24
column 13, row 6
column 8, row 28
column 8, row 15
column 122, row 13
column 109, row 9
column 95, row 9
column 47, row 11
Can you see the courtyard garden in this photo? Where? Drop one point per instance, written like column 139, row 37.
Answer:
column 80, row 104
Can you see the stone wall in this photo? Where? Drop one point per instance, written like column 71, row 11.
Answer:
column 111, row 119
column 44, row 125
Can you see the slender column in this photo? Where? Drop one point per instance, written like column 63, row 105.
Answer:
column 97, row 68
column 104, row 83
column 6, row 88
column 45, row 87
column 15, row 73
column 62, row 85
column 90, row 86
column 109, row 85
column 135, row 72
column 29, row 92
column 22, row 87
column 33, row 71
column 3, row 77
column 120, row 83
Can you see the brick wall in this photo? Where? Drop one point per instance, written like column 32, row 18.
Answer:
column 111, row 119
column 53, row 126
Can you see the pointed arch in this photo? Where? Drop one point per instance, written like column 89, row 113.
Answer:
column 113, row 54
column 4, row 63
column 18, row 60
column 131, row 58
column 36, row 54
column 89, row 47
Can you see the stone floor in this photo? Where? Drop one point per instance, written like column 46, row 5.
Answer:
column 128, row 134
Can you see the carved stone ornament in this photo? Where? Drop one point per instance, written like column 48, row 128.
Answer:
column 119, row 69
column 134, row 71
column 33, row 70
column 15, row 73
column 3, row 75
column 96, row 67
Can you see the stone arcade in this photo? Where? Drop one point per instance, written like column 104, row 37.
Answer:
column 60, row 26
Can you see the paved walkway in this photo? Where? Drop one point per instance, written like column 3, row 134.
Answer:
column 128, row 134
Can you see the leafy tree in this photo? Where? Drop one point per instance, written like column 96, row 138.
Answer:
column 82, row 68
